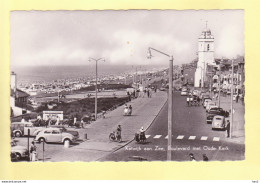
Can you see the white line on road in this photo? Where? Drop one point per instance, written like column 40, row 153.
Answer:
column 157, row 136
column 216, row 139
column 180, row 137
column 192, row 137
column 166, row 137
column 147, row 136
column 204, row 138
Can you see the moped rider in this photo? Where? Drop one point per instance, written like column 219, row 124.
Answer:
column 142, row 133
column 118, row 131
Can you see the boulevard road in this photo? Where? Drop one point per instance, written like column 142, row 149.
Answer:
column 190, row 134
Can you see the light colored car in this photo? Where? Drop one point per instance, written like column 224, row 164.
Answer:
column 184, row 93
column 210, row 104
column 206, row 102
column 218, row 122
column 55, row 135
column 19, row 151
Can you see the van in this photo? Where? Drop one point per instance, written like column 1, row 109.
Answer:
column 19, row 129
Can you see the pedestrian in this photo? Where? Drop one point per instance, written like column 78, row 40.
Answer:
column 228, row 128
column 148, row 93
column 130, row 109
column 192, row 158
column 75, row 120
column 237, row 97
column 82, row 123
column 23, row 120
column 188, row 101
column 205, row 158
column 33, row 153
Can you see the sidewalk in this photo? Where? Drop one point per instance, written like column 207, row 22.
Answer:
column 98, row 144
column 238, row 130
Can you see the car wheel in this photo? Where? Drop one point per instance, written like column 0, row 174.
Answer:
column 18, row 134
column 18, row 156
column 66, row 140
column 41, row 139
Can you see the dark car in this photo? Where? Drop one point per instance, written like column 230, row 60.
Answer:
column 213, row 113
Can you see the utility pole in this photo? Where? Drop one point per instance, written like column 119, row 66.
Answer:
column 170, row 111
column 231, row 117
column 170, row 102
column 219, row 89
column 96, row 60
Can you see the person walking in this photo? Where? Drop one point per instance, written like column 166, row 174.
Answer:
column 228, row 128
column 205, row 158
column 33, row 153
column 130, row 109
column 192, row 158
column 237, row 97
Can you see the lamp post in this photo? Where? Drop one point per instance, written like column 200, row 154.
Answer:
column 232, row 83
column 170, row 97
column 96, row 60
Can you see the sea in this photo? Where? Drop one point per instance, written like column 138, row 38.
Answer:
column 30, row 74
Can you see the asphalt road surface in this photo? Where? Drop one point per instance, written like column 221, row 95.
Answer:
column 190, row 134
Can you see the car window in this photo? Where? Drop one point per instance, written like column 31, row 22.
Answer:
column 47, row 132
column 28, row 125
column 55, row 132
column 218, row 118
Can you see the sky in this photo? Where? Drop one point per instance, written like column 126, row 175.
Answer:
column 120, row 37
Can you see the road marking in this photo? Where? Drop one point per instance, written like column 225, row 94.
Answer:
column 216, row 139
column 204, row 138
column 147, row 136
column 192, row 137
column 166, row 137
column 157, row 136
column 180, row 137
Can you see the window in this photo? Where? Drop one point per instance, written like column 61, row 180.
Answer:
column 47, row 132
column 55, row 132
column 208, row 47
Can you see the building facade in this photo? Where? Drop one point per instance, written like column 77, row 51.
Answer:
column 205, row 57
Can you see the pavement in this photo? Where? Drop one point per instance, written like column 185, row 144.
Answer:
column 98, row 145
column 238, row 126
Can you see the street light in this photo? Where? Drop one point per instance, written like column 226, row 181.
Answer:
column 96, row 83
column 170, row 115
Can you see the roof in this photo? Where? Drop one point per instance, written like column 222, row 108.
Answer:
column 19, row 93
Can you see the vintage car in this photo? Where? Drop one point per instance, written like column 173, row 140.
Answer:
column 55, row 135
column 19, row 129
column 209, row 104
column 218, row 122
column 18, row 152
column 211, row 115
column 205, row 102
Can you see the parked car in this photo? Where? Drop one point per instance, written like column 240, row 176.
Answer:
column 213, row 113
column 18, row 152
column 54, row 135
column 210, row 104
column 218, row 122
column 19, row 129
column 63, row 129
column 205, row 102
column 184, row 93
column 162, row 89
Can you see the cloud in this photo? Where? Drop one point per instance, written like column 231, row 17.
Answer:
column 121, row 37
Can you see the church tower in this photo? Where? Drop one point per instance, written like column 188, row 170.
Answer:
column 205, row 56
